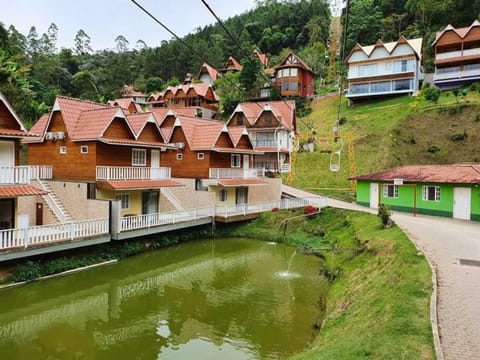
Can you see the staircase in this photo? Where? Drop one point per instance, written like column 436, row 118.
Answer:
column 172, row 198
column 54, row 203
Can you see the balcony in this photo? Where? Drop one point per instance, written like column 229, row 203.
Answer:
column 16, row 175
column 265, row 143
column 108, row 173
column 448, row 55
column 234, row 173
column 456, row 73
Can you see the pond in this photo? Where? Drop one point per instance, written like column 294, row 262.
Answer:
column 210, row 299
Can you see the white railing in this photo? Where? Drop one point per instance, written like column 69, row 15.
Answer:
column 468, row 72
column 132, row 173
column 244, row 209
column 42, row 172
column 14, row 175
column 232, row 173
column 469, row 52
column 48, row 234
column 448, row 55
column 54, row 203
column 166, row 218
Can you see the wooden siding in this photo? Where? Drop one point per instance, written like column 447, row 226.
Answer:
column 169, row 121
column 150, row 133
column 7, row 121
column 224, row 140
column 118, row 129
column 244, row 142
column 111, row 155
column 234, row 120
column 448, row 38
column 57, row 123
column 267, row 120
column 473, row 34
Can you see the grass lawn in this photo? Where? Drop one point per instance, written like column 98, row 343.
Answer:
column 378, row 304
column 384, row 134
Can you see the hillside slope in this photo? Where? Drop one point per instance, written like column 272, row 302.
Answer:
column 387, row 133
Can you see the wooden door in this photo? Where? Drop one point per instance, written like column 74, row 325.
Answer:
column 39, row 214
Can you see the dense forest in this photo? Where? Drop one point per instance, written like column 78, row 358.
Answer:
column 33, row 70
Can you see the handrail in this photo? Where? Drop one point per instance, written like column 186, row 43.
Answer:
column 52, row 203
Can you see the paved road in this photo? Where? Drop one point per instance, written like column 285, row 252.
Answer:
column 444, row 241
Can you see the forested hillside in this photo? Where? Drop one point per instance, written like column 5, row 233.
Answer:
column 33, row 70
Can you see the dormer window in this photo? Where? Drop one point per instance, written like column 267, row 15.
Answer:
column 239, row 119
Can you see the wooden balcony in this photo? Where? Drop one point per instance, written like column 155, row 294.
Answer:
column 11, row 175
column 234, row 173
column 132, row 173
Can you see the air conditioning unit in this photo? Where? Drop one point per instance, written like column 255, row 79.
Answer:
column 180, row 145
column 49, row 136
column 59, row 135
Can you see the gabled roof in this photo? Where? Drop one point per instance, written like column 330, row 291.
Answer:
column 461, row 32
column 201, row 89
column 9, row 191
column 454, row 174
column 262, row 57
column 210, row 70
column 236, row 133
column 125, row 103
column 92, row 124
column 200, row 134
column 128, row 91
column 139, row 121
column 284, row 111
column 415, row 45
column 163, row 112
column 137, row 184
column 232, row 63
column 292, row 60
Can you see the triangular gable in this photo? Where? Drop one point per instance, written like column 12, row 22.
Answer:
column 119, row 128
column 139, row 122
column 293, row 60
column 448, row 29
column 473, row 30
column 151, row 133
column 210, row 70
column 11, row 119
column 224, row 140
column 93, row 124
column 232, row 63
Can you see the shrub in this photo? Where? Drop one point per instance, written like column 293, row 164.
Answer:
column 384, row 214
column 433, row 149
column 431, row 93
column 311, row 211
column 27, row 272
column 459, row 136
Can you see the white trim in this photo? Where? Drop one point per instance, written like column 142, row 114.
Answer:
column 84, row 149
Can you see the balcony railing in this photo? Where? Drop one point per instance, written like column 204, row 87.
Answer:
column 456, row 54
column 233, row 173
column 271, row 142
column 50, row 234
column 456, row 73
column 132, row 173
column 23, row 174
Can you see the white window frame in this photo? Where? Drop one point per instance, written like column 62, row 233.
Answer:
column 200, row 156
column 84, row 149
column 223, row 195
column 426, row 191
column 124, row 200
column 63, row 149
column 179, row 156
column 386, row 189
column 236, row 161
column 139, row 157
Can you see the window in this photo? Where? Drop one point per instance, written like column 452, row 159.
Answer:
column 235, row 161
column 223, row 195
column 84, row 149
column 200, row 156
column 179, row 156
column 91, row 191
column 139, row 157
column 390, row 191
column 403, row 85
column 293, row 72
column 239, row 119
column 63, row 149
column 431, row 193
column 293, row 86
column 124, row 200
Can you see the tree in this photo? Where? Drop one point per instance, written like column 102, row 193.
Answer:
column 140, row 45
column 82, row 43
column 33, row 43
column 364, row 21
column 154, row 84
column 230, row 91
column 121, row 43
column 251, row 75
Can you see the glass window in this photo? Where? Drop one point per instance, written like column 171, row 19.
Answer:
column 403, row 85
column 124, row 200
column 84, row 149
column 200, row 156
column 63, row 149
column 139, row 157
column 390, row 191
column 431, row 193
column 179, row 156
column 293, row 71
column 378, row 87
column 285, row 85
column 239, row 119
column 293, row 86
column 235, row 161
column 223, row 195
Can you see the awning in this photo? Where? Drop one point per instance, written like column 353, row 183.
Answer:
column 136, row 184
column 240, row 182
column 9, row 191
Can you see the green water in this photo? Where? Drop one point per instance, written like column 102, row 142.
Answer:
column 214, row 299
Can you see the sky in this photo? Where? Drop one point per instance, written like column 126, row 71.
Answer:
column 104, row 20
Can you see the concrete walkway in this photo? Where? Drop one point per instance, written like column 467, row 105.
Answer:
column 445, row 242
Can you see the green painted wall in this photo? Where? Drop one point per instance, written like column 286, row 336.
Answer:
column 406, row 194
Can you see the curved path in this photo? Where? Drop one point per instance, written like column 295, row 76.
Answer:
column 453, row 249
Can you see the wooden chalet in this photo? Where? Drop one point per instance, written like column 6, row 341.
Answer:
column 272, row 129
column 116, row 155
column 16, row 181
column 293, row 77
column 231, row 65
column 208, row 74
column 195, row 95
column 457, row 56
column 384, row 69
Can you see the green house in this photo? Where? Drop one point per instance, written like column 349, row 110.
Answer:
column 441, row 190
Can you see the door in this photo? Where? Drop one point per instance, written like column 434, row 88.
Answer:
column 150, row 202
column 39, row 214
column 461, row 203
column 246, row 165
column 7, row 214
column 374, row 196
column 241, row 195
column 155, row 164
column 7, row 153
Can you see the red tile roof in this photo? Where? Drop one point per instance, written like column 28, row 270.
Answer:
column 91, row 124
column 38, row 128
column 131, row 142
column 10, row 191
column 15, row 133
column 241, row 182
column 299, row 63
column 284, row 111
column 455, row 174
column 210, row 70
column 137, row 184
column 232, row 63
column 139, row 121
column 262, row 57
column 125, row 103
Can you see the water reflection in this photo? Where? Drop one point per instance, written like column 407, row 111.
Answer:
column 217, row 299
